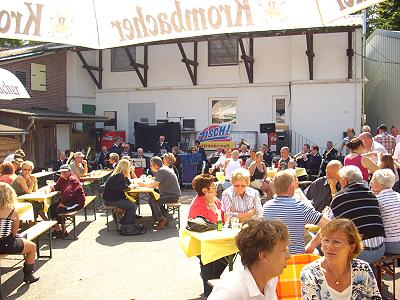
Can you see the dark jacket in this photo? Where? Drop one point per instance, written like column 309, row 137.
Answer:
column 164, row 146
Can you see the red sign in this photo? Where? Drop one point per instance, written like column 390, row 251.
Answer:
column 107, row 139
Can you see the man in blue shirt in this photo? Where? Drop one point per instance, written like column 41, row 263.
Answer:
column 294, row 213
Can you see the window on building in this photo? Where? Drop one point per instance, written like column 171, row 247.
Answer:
column 38, row 77
column 88, row 109
column 21, row 75
column 223, row 52
column 119, row 59
column 111, row 124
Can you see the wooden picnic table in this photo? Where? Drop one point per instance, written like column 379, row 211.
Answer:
column 25, row 211
column 96, row 175
column 43, row 174
column 210, row 245
column 41, row 195
column 299, row 172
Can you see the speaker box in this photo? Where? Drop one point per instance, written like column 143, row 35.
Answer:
column 267, row 128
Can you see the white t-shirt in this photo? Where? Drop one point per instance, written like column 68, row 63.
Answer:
column 240, row 285
column 9, row 158
column 396, row 153
column 232, row 166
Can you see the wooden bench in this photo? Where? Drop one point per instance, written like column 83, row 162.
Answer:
column 32, row 234
column 174, row 208
column 116, row 211
column 72, row 215
column 387, row 265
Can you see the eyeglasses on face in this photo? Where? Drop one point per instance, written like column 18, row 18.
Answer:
column 239, row 185
column 335, row 243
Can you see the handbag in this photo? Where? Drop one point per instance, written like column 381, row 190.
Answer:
column 131, row 229
column 200, row 224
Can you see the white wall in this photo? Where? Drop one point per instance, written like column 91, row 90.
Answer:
column 277, row 59
column 63, row 142
column 321, row 112
column 315, row 107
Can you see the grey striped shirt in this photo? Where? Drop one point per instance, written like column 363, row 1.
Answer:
column 389, row 204
column 250, row 200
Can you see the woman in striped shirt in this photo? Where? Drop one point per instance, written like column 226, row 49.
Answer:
column 9, row 224
column 389, row 204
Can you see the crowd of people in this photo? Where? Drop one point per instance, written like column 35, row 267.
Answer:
column 354, row 200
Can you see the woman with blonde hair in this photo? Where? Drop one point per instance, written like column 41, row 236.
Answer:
column 338, row 274
column 26, row 183
column 114, row 191
column 9, row 224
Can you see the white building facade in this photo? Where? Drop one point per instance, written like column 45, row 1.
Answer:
column 318, row 109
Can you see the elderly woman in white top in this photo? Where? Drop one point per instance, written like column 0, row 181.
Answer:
column 389, row 204
column 338, row 275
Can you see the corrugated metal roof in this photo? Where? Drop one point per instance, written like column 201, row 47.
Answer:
column 45, row 114
column 388, row 33
column 9, row 130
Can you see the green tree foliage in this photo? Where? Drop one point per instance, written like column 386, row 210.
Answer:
column 10, row 43
column 385, row 15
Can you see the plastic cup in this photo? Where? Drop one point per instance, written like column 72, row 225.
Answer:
column 235, row 223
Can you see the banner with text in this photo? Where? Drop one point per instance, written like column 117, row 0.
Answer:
column 216, row 135
column 104, row 24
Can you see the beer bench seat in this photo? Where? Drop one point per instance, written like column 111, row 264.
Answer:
column 33, row 233
column 116, row 213
column 71, row 215
column 387, row 265
column 175, row 208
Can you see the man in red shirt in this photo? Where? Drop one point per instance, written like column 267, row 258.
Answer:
column 72, row 198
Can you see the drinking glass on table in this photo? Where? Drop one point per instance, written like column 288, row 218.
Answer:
column 235, row 224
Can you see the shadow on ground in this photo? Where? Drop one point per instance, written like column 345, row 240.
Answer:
column 13, row 283
column 113, row 238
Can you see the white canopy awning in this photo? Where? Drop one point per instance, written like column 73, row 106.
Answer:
column 11, row 87
column 104, row 24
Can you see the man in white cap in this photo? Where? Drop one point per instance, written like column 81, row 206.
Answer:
column 72, row 198
column 79, row 167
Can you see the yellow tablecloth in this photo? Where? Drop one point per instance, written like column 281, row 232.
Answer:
column 299, row 172
column 312, row 228
column 134, row 192
column 211, row 245
column 25, row 211
column 39, row 196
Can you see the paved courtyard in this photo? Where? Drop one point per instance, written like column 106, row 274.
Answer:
column 105, row 265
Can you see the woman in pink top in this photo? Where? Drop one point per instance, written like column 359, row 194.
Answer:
column 7, row 173
column 356, row 158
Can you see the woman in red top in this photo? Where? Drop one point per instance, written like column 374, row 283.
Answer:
column 357, row 158
column 206, row 205
column 7, row 173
